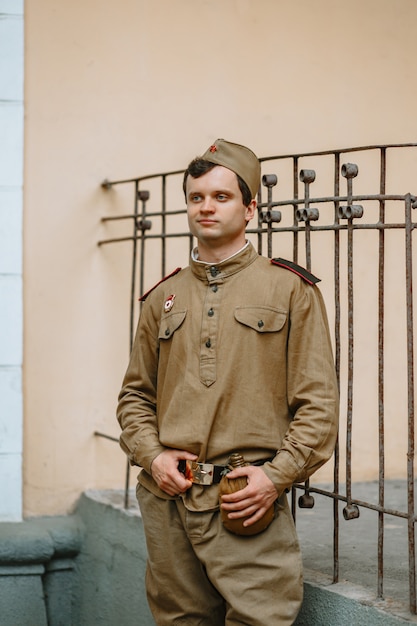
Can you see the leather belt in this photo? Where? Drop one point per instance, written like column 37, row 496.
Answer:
column 207, row 473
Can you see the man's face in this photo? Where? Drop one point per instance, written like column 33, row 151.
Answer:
column 216, row 213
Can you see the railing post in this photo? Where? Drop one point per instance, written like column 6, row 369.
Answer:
column 410, row 387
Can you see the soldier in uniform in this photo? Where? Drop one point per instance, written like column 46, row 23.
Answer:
column 232, row 354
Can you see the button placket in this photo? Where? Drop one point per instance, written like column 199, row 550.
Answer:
column 209, row 330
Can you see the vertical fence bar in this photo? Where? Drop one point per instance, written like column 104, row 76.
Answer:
column 350, row 369
column 295, row 196
column 307, row 222
column 349, row 419
column 295, row 259
column 163, row 225
column 337, row 362
column 259, row 219
column 381, row 413
column 410, row 390
column 132, row 314
column 143, row 196
column 269, row 223
column 307, row 177
column 133, row 271
column 294, row 504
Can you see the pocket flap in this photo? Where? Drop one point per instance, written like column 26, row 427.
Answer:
column 263, row 319
column 170, row 323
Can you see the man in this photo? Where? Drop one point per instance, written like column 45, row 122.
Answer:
column 232, row 354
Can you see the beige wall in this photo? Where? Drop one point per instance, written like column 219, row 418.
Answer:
column 123, row 89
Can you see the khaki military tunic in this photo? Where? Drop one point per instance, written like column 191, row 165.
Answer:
column 231, row 357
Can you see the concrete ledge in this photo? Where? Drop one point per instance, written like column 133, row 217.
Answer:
column 113, row 560
column 111, row 565
column 344, row 604
column 89, row 569
column 38, row 540
column 38, row 572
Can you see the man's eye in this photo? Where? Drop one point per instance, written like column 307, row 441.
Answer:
column 195, row 198
column 222, row 197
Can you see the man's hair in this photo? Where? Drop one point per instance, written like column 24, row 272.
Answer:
column 200, row 166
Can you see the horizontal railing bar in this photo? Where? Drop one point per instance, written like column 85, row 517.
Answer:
column 140, row 216
column 323, row 492
column 297, row 201
column 339, row 151
column 274, row 229
column 109, row 183
column 334, row 227
column 367, row 505
column 98, row 434
column 118, row 217
column 156, row 236
column 106, row 184
column 262, row 205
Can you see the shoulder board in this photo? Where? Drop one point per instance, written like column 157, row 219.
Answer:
column 297, row 269
column 145, row 295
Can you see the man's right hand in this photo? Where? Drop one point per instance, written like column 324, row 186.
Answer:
column 164, row 470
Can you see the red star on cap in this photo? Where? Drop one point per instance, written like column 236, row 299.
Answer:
column 213, row 148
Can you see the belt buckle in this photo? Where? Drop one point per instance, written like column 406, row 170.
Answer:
column 199, row 473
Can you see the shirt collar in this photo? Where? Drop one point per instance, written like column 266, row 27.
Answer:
column 194, row 255
column 219, row 271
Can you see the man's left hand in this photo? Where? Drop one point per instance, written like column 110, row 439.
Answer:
column 254, row 500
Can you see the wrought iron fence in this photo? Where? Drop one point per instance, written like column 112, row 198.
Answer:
column 346, row 215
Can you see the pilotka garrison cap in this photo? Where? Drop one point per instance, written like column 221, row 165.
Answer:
column 237, row 158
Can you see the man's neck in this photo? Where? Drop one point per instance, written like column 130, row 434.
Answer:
column 216, row 256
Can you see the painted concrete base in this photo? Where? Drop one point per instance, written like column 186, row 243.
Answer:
column 112, row 563
column 38, row 575
column 112, row 568
column 346, row 604
column 88, row 569
column 22, row 599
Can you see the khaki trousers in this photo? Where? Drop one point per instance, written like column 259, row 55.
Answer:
column 199, row 574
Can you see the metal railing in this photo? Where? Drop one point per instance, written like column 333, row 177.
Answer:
column 347, row 233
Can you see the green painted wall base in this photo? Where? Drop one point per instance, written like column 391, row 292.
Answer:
column 88, row 569
column 112, row 563
column 345, row 604
column 22, row 601
column 38, row 576
column 112, row 570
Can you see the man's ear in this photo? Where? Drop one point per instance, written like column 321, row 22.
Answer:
column 250, row 210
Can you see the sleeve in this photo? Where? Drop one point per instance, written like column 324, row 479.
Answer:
column 136, row 410
column 312, row 393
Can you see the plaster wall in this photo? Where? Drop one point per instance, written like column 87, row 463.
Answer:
column 120, row 90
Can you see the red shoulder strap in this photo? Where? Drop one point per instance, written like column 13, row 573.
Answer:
column 297, row 269
column 145, row 295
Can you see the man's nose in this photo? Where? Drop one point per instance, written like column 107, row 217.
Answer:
column 208, row 205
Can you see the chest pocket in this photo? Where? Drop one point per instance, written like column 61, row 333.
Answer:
column 263, row 319
column 170, row 323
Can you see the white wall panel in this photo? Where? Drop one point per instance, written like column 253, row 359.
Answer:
column 10, row 231
column 10, row 411
column 11, row 307
column 11, row 487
